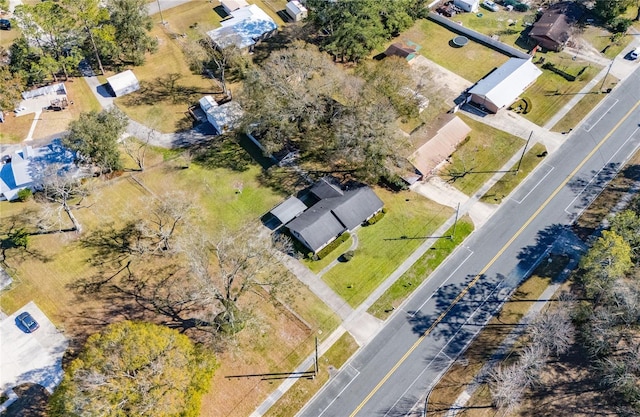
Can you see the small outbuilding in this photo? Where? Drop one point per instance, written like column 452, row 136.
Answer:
column 123, row 83
column 401, row 50
column 296, row 10
column 504, row 85
column 470, row 6
column 223, row 117
column 231, row 6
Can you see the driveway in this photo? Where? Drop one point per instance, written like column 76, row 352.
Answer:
column 30, row 357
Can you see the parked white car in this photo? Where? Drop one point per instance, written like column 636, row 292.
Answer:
column 490, row 5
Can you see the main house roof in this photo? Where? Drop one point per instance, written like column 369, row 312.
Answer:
column 336, row 211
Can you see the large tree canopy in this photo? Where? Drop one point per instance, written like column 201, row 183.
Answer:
column 354, row 28
column 132, row 25
column 299, row 101
column 135, row 369
column 95, row 135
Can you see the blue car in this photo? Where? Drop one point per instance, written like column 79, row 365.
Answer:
column 29, row 323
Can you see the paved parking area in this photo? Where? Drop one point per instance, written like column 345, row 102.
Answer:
column 30, row 357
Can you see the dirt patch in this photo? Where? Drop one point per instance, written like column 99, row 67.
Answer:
column 452, row 85
column 568, row 388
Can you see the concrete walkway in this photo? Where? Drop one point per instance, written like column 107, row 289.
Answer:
column 353, row 247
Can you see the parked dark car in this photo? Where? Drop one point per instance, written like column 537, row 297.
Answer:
column 29, row 323
column 5, row 24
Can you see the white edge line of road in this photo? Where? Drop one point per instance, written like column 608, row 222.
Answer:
column 441, row 351
column 443, row 283
column 566, row 209
column 342, row 390
column 466, row 345
column 536, row 185
column 601, row 117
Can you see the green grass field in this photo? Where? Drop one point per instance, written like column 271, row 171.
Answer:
column 386, row 244
column 420, row 271
column 551, row 91
column 435, row 42
column 587, row 103
column 509, row 180
column 507, row 26
column 487, row 151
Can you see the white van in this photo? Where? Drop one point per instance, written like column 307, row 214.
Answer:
column 490, row 5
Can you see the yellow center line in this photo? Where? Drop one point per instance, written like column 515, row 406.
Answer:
column 475, row 280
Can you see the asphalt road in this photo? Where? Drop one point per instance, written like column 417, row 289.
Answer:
column 391, row 375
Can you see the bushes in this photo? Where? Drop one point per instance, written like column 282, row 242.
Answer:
column 331, row 246
column 549, row 66
column 24, row 194
column 376, row 218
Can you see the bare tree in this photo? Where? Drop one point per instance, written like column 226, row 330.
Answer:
column 137, row 148
column 243, row 266
column 66, row 193
column 507, row 385
column 164, row 215
column 553, row 330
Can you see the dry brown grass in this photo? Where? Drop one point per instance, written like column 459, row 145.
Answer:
column 489, row 339
column 275, row 341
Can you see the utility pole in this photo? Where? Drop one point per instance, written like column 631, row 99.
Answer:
column 455, row 222
column 315, row 369
column 605, row 75
column 523, row 151
column 160, row 10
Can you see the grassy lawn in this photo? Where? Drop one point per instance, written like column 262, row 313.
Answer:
column 316, row 266
column 15, row 129
column 55, row 261
column 435, row 39
column 490, row 338
column 386, row 244
column 509, row 181
column 551, row 91
column 601, row 39
column 157, row 104
column 8, row 36
column 587, row 103
column 419, row 271
column 302, row 391
column 496, row 24
column 487, row 151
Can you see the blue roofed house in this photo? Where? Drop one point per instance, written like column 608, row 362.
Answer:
column 247, row 26
column 25, row 167
column 330, row 211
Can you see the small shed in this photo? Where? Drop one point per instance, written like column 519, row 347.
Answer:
column 123, row 83
column 296, row 11
column 470, row 6
column 230, row 6
column 401, row 50
column 223, row 117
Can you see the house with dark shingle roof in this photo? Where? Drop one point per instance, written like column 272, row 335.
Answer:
column 331, row 210
column 553, row 29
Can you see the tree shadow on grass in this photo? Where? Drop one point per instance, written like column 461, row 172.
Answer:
column 223, row 151
column 32, row 401
column 166, row 89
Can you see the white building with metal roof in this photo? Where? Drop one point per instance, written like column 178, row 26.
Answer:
column 504, row 85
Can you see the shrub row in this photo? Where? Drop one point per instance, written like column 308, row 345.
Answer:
column 563, row 74
column 376, row 218
column 330, row 247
